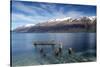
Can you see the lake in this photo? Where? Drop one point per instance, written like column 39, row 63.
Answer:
column 25, row 53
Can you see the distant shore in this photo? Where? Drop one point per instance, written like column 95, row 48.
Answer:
column 62, row 31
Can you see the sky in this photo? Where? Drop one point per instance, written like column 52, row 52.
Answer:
column 24, row 12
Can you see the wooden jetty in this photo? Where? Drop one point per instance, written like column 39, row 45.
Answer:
column 54, row 44
column 57, row 46
column 59, row 56
column 45, row 43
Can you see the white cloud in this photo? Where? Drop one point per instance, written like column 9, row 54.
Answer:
column 21, row 7
column 35, row 16
column 75, row 14
column 52, row 12
column 32, row 11
column 29, row 9
column 21, row 17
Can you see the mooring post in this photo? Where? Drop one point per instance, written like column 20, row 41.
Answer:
column 70, row 51
column 60, row 48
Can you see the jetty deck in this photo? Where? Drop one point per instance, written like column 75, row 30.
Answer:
column 45, row 43
column 58, row 56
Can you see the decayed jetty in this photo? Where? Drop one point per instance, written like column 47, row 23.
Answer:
column 58, row 55
column 46, row 43
column 56, row 45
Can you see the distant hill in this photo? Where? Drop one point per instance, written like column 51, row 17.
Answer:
column 68, row 24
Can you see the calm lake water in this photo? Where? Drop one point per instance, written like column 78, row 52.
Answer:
column 25, row 53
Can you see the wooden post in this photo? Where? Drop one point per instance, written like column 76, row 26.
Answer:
column 70, row 51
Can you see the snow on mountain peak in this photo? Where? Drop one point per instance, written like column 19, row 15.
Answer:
column 92, row 17
column 59, row 19
column 29, row 25
column 63, row 19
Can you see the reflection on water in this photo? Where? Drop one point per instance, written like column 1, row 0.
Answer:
column 25, row 53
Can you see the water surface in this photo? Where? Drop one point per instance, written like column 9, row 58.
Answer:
column 25, row 53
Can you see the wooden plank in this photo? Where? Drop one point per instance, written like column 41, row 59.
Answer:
column 45, row 43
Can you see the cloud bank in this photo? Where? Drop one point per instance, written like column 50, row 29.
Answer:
column 33, row 13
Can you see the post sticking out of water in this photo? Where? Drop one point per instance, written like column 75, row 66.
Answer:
column 60, row 45
column 70, row 51
column 60, row 48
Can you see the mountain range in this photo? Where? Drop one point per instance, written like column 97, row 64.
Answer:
column 67, row 24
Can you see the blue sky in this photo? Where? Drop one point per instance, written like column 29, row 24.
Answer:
column 36, row 12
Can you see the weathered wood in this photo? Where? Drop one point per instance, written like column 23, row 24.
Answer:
column 44, row 43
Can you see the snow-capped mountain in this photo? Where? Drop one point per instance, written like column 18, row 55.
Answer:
column 92, row 17
column 24, row 28
column 27, row 25
column 67, row 20
column 59, row 19
column 59, row 23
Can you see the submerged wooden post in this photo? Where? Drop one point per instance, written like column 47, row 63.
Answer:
column 42, row 52
column 56, row 52
column 60, row 48
column 70, row 51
